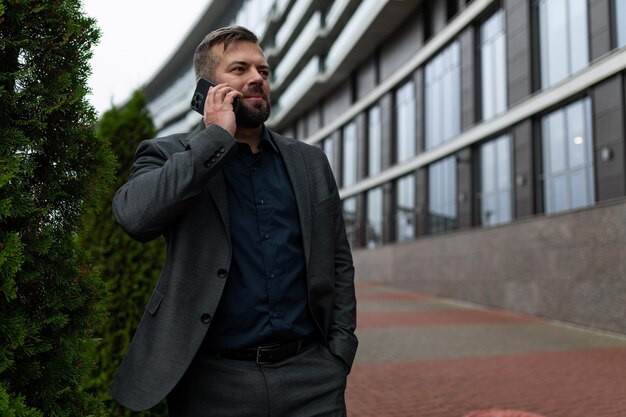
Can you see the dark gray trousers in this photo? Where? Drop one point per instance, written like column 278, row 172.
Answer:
column 311, row 383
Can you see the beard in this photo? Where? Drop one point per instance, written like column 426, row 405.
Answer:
column 250, row 116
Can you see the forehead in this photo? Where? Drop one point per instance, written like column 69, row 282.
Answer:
column 242, row 51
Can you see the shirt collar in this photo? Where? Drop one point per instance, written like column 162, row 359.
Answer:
column 266, row 139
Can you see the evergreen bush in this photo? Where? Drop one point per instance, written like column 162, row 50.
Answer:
column 129, row 268
column 53, row 169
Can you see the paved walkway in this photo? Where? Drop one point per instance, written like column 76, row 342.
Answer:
column 421, row 356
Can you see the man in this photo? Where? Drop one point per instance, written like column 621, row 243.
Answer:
column 254, row 312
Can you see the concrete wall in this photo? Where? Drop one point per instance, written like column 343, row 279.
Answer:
column 569, row 267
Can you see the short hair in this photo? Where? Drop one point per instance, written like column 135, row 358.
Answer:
column 204, row 61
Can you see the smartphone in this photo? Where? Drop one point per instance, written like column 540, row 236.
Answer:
column 199, row 96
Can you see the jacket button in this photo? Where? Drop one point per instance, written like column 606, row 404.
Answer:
column 206, row 318
column 222, row 273
column 221, row 149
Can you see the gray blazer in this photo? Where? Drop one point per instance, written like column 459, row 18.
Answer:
column 177, row 189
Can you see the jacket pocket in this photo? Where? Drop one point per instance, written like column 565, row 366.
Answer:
column 154, row 302
column 323, row 204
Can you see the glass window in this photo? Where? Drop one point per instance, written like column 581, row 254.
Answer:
column 562, row 38
column 495, row 181
column 442, row 212
column 405, row 122
column 328, row 146
column 568, row 181
column 443, row 96
column 350, row 219
column 493, row 66
column 620, row 22
column 405, row 208
column 374, row 226
column 374, row 141
column 349, row 170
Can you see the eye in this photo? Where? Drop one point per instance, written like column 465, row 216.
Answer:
column 264, row 71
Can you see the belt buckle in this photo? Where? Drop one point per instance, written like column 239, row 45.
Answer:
column 260, row 349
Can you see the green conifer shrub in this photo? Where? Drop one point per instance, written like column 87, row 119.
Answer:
column 129, row 268
column 53, row 169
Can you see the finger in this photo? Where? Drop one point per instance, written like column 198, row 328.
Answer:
column 220, row 93
column 232, row 95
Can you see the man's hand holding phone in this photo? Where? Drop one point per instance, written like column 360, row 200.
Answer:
column 217, row 104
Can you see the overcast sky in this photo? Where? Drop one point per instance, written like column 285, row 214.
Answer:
column 138, row 36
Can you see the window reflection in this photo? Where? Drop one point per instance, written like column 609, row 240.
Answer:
column 563, row 39
column 374, row 225
column 349, row 171
column 493, row 66
column 405, row 208
column 350, row 219
column 495, row 181
column 620, row 22
column 374, row 140
column 442, row 212
column 567, row 158
column 405, row 122
column 443, row 96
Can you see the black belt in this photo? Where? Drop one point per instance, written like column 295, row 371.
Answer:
column 265, row 354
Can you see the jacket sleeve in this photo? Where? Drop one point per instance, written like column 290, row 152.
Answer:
column 164, row 176
column 341, row 337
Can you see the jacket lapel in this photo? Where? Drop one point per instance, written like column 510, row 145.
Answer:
column 296, row 169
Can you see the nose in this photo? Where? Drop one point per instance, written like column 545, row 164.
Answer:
column 256, row 76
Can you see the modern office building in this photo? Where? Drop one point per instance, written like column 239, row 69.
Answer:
column 479, row 146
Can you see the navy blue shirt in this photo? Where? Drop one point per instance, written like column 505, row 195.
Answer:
column 265, row 298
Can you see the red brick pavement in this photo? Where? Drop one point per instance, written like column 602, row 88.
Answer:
column 553, row 384
column 565, row 383
column 394, row 296
column 372, row 320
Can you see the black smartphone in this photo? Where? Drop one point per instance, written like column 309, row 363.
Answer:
column 199, row 96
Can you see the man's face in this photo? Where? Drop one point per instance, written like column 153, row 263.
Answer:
column 243, row 67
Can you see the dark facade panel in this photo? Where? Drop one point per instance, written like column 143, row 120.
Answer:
column 389, row 218
column 401, row 46
column 599, row 28
column 468, row 78
column 366, row 78
column 338, row 102
column 388, row 130
column 360, row 238
column 608, row 126
column 337, row 155
column 439, row 15
column 465, row 190
column 523, row 171
column 361, row 157
column 421, row 201
column 418, row 78
column 519, row 57
column 314, row 120
column 301, row 129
